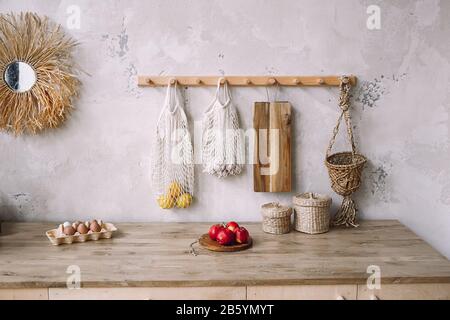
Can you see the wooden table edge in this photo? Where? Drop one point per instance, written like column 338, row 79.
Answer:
column 224, row 283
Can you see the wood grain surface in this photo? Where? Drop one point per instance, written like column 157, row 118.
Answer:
column 212, row 245
column 157, row 254
column 272, row 165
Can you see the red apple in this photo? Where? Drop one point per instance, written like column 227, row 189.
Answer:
column 214, row 230
column 225, row 237
column 232, row 226
column 242, row 235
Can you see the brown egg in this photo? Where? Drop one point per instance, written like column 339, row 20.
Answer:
column 95, row 227
column 82, row 229
column 70, row 231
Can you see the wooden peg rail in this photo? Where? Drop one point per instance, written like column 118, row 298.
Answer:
column 196, row 81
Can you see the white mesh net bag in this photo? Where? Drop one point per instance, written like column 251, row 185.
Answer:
column 173, row 161
column 222, row 139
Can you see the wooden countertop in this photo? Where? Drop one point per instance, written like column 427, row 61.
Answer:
column 157, row 254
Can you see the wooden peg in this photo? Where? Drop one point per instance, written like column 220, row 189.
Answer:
column 222, row 81
column 198, row 81
column 272, row 81
column 321, row 81
column 149, row 81
column 173, row 81
column 296, row 81
column 248, row 81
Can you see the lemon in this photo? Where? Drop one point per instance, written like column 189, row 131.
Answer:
column 175, row 190
column 184, row 200
column 166, row 202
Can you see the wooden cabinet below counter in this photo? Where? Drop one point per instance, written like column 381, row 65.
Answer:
column 306, row 292
column 24, row 294
column 189, row 293
column 421, row 291
column 411, row 291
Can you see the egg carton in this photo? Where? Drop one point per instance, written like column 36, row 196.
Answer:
column 57, row 239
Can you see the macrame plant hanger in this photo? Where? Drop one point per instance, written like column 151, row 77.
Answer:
column 345, row 168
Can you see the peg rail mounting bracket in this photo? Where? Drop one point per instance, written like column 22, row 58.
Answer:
column 198, row 81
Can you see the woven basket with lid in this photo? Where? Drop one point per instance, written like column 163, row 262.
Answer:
column 312, row 213
column 276, row 218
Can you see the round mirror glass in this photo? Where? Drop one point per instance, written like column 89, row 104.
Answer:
column 19, row 76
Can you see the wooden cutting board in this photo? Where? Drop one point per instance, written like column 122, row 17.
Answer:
column 212, row 245
column 272, row 149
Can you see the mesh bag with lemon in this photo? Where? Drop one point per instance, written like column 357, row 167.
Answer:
column 175, row 197
column 173, row 163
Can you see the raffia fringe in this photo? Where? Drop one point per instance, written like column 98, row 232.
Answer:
column 346, row 214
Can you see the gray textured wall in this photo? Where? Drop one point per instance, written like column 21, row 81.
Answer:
column 98, row 165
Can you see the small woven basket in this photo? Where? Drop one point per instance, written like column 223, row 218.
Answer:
column 276, row 218
column 312, row 213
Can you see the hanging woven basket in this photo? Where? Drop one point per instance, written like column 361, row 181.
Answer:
column 345, row 168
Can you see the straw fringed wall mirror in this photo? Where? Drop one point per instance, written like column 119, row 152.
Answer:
column 38, row 77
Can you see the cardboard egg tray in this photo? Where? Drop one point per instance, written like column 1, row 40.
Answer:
column 107, row 231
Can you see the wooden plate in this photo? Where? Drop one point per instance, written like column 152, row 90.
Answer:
column 212, row 245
